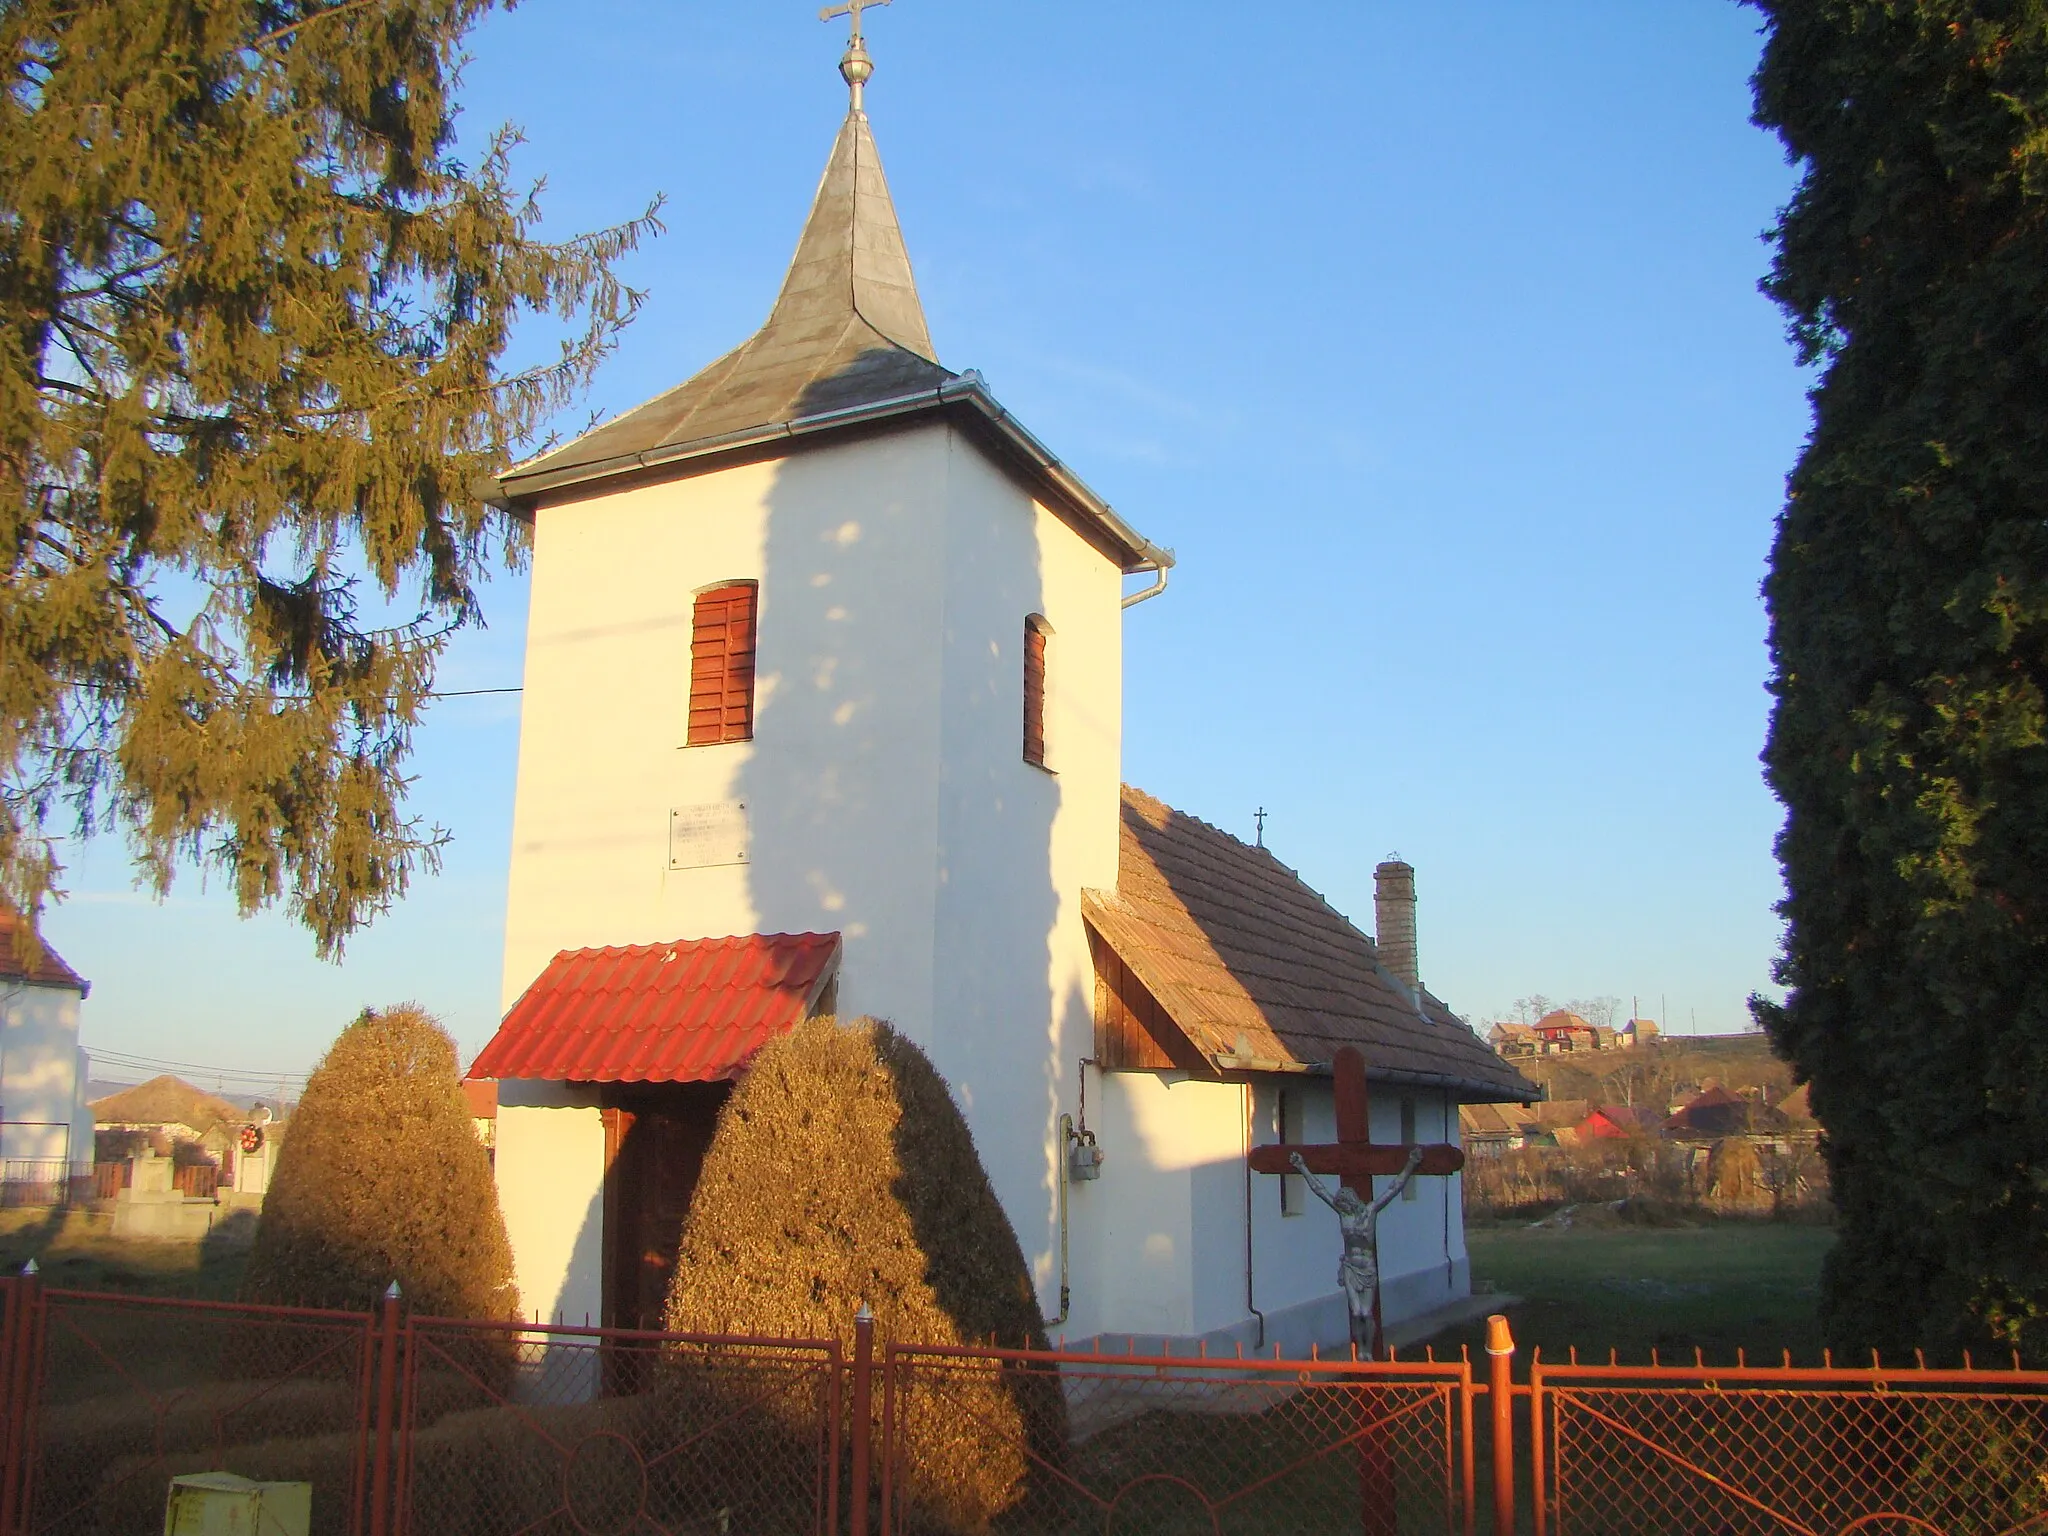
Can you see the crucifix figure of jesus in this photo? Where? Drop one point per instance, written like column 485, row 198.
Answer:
column 1355, row 1158
column 1358, row 1272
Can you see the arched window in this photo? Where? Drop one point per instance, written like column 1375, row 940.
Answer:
column 722, row 664
column 1036, row 632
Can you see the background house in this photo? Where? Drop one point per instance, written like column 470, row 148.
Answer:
column 203, row 1134
column 45, row 1126
column 1616, row 1122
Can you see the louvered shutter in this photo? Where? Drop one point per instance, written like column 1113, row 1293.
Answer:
column 722, row 665
column 1034, row 691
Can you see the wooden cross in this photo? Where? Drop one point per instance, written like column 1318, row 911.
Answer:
column 1354, row 1157
column 852, row 10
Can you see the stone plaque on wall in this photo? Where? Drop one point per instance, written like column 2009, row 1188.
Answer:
column 702, row 836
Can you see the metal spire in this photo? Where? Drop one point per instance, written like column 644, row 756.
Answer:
column 855, row 67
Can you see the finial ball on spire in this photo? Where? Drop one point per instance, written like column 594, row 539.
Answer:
column 856, row 68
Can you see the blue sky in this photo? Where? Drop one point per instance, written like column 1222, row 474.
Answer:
column 1429, row 340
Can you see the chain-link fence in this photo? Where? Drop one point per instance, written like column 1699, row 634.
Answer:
column 1762, row 1452
column 1055, row 1442
column 432, row 1427
column 120, row 1394
column 579, row 1430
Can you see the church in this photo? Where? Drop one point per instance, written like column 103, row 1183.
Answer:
column 823, row 714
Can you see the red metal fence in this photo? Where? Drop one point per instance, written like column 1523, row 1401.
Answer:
column 1057, row 1441
column 1770, row 1450
column 507, row 1428
column 434, row 1427
column 113, row 1396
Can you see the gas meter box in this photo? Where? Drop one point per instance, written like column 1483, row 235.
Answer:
column 1084, row 1157
column 222, row 1504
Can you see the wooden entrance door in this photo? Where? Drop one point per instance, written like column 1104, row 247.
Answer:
column 656, row 1135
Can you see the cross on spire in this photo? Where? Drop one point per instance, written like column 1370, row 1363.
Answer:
column 855, row 67
column 851, row 9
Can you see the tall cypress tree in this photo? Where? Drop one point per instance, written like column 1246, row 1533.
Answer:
column 1908, row 596
column 252, row 310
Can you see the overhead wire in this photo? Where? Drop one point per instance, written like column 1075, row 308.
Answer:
column 219, row 1075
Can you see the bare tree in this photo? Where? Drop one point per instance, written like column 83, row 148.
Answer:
column 1596, row 1010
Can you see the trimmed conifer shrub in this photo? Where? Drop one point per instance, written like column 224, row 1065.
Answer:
column 382, row 1178
column 842, row 1173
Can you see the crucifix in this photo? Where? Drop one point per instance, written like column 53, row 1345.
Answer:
column 856, row 67
column 1259, row 816
column 1355, row 1158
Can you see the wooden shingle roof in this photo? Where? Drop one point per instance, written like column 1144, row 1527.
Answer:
column 1260, row 973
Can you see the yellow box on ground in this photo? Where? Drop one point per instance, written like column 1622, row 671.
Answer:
column 222, row 1504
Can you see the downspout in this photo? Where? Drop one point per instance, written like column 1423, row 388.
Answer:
column 1070, row 1140
column 1450, row 1269
column 1158, row 568
column 1067, row 1139
column 1260, row 1342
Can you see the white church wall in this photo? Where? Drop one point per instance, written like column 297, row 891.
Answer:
column 840, row 780
column 1017, row 843
column 550, row 1170
column 39, row 1078
column 1423, row 1263
column 885, row 787
column 1167, row 1140
column 82, row 1156
column 1294, row 1257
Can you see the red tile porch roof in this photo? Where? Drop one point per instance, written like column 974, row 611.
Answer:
column 691, row 1011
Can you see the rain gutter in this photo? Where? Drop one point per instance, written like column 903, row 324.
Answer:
column 1397, row 1077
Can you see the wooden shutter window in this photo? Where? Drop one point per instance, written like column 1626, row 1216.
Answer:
column 722, row 665
column 1034, row 690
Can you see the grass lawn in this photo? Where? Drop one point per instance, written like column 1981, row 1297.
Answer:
column 1718, row 1288
column 78, row 1250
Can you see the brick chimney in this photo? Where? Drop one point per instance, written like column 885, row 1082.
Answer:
column 1393, row 903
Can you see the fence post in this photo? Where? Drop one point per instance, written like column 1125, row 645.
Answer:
column 863, row 1391
column 1539, row 1475
column 17, row 1360
column 382, row 1502
column 1500, row 1391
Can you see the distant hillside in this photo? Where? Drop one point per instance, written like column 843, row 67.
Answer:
column 1659, row 1075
